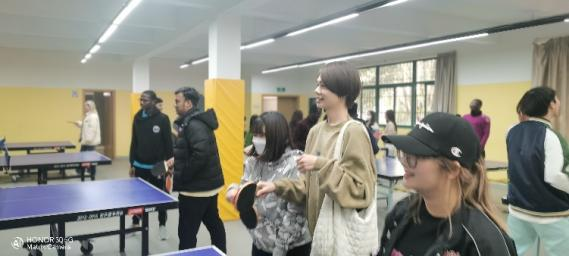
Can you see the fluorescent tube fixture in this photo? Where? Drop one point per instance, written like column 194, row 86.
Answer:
column 185, row 65
column 361, row 55
column 420, row 45
column 126, row 11
column 396, row 2
column 256, row 44
column 268, row 71
column 195, row 62
column 83, row 61
column 323, row 24
column 95, row 49
column 110, row 30
column 566, row 20
column 88, row 56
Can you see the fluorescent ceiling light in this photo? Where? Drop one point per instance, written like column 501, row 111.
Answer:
column 195, row 62
column 323, row 24
column 95, row 49
column 126, row 11
column 420, row 45
column 268, row 71
column 256, row 44
column 185, row 65
column 566, row 20
column 397, row 49
column 88, row 56
column 110, row 30
column 83, row 61
column 396, row 2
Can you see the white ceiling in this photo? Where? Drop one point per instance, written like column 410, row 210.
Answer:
column 177, row 29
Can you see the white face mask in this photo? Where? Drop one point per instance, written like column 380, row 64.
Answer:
column 259, row 144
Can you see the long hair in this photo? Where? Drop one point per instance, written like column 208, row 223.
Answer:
column 296, row 117
column 273, row 125
column 473, row 188
column 390, row 116
column 92, row 106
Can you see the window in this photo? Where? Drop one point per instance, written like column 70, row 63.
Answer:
column 407, row 88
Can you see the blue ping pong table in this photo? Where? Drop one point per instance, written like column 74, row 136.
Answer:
column 54, row 205
column 55, row 161
column 202, row 251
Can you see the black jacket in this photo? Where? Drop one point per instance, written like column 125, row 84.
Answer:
column 151, row 141
column 527, row 188
column 197, row 166
column 474, row 233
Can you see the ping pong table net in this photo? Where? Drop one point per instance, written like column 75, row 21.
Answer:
column 6, row 154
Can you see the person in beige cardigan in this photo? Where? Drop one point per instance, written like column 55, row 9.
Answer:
column 351, row 180
column 90, row 132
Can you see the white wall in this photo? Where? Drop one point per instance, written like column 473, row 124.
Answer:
column 165, row 74
column 494, row 64
column 34, row 68
column 300, row 81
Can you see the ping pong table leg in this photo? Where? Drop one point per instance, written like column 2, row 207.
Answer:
column 145, row 233
column 42, row 176
column 82, row 171
column 61, row 235
column 122, row 234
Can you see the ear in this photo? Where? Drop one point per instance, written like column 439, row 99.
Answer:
column 455, row 170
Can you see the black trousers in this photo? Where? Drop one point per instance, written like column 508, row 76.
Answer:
column 159, row 183
column 303, row 250
column 92, row 169
column 194, row 211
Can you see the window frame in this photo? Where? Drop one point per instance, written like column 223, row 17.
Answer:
column 413, row 84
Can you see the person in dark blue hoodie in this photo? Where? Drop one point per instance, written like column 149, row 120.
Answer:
column 151, row 143
column 197, row 171
column 538, row 163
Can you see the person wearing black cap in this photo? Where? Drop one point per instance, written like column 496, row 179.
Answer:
column 450, row 213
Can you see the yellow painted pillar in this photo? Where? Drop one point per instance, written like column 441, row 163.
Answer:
column 134, row 105
column 227, row 98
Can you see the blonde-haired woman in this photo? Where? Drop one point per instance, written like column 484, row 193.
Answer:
column 450, row 213
column 90, row 132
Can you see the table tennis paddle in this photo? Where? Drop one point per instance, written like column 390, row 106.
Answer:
column 243, row 201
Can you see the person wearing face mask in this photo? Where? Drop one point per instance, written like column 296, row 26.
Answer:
column 339, row 171
column 282, row 228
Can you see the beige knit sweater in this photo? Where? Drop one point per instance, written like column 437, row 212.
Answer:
column 349, row 181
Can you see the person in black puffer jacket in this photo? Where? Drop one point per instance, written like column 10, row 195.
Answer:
column 197, row 171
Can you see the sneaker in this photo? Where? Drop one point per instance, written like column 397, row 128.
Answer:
column 163, row 233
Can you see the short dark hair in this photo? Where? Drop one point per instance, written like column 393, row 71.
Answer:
column 277, row 134
column 159, row 100
column 342, row 79
column 190, row 94
column 478, row 102
column 536, row 101
column 151, row 94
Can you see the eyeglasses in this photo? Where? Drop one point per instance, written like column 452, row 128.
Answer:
column 409, row 160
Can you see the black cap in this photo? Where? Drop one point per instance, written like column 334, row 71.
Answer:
column 440, row 134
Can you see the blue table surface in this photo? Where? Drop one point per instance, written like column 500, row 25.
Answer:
column 46, row 200
column 55, row 158
column 202, row 251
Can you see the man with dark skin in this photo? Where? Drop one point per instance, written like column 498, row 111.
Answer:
column 151, row 144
